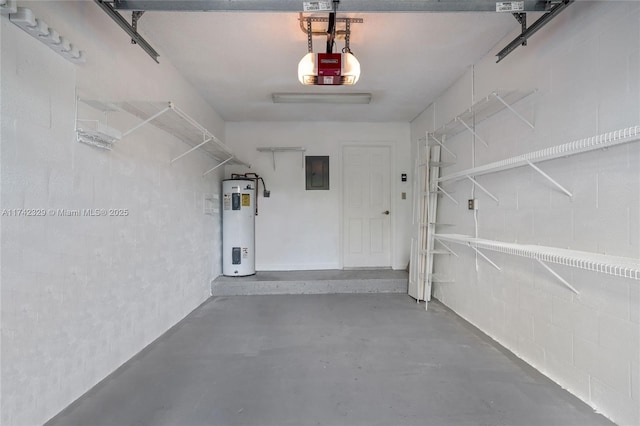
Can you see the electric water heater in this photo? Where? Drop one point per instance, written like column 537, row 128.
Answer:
column 238, row 227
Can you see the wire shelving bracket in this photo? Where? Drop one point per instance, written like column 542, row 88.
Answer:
column 484, row 256
column 483, row 189
column 550, row 179
column 441, row 144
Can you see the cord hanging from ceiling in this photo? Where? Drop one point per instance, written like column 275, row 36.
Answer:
column 331, row 29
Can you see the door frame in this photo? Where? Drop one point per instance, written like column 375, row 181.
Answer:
column 392, row 190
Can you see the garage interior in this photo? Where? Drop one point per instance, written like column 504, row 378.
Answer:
column 471, row 256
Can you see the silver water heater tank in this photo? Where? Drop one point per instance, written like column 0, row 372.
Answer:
column 238, row 227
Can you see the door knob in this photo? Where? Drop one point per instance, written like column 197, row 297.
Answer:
column 385, row 212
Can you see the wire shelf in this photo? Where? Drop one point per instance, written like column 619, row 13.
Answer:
column 168, row 117
column 595, row 262
column 605, row 140
column 481, row 110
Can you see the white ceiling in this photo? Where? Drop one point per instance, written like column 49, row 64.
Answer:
column 238, row 59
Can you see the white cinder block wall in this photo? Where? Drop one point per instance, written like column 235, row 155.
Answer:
column 298, row 229
column 586, row 67
column 81, row 295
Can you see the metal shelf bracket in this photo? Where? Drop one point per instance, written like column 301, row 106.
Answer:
column 432, row 136
column 218, row 165
column 142, row 123
column 510, row 108
column 206, row 140
column 473, row 132
column 485, row 257
column 483, row 189
column 448, row 195
column 550, row 179
column 447, row 248
column 555, row 274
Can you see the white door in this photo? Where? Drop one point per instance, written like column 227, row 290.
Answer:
column 366, row 211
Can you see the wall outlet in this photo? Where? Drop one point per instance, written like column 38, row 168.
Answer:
column 473, row 204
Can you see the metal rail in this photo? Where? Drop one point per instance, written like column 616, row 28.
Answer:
column 524, row 36
column 129, row 29
column 345, row 5
column 306, row 21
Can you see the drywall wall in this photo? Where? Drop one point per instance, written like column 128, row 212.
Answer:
column 585, row 66
column 82, row 294
column 300, row 229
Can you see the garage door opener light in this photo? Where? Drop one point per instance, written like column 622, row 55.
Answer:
column 329, row 69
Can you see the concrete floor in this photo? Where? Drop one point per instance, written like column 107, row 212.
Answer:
column 366, row 359
column 313, row 282
column 319, row 275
